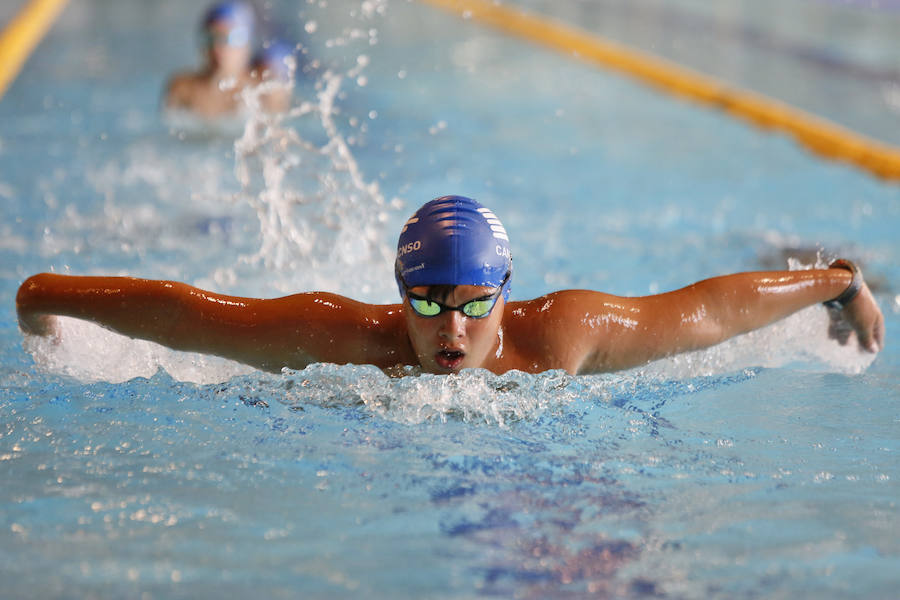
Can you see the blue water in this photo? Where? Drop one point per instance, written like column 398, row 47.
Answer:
column 764, row 468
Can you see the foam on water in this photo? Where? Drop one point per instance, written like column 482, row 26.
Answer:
column 472, row 396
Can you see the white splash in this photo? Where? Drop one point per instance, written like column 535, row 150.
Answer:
column 322, row 225
column 88, row 352
column 474, row 395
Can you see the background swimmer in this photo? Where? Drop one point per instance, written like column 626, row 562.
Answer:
column 274, row 65
column 454, row 271
column 227, row 32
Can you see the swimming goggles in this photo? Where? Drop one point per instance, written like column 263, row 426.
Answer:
column 239, row 36
column 477, row 308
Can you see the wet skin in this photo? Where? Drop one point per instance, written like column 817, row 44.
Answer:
column 579, row 331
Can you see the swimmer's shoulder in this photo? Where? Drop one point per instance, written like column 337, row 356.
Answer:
column 543, row 321
column 543, row 333
column 555, row 305
column 560, row 330
column 560, row 317
column 182, row 87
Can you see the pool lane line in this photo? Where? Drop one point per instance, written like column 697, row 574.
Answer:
column 690, row 23
column 819, row 135
column 23, row 33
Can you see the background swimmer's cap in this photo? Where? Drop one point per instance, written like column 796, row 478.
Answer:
column 453, row 240
column 273, row 59
column 233, row 12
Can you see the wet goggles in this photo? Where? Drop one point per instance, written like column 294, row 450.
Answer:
column 239, row 36
column 477, row 308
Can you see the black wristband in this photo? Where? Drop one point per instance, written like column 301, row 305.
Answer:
column 852, row 290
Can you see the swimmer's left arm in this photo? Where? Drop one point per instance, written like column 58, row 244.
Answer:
column 628, row 332
column 292, row 331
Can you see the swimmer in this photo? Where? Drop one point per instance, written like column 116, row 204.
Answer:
column 214, row 91
column 274, row 63
column 454, row 270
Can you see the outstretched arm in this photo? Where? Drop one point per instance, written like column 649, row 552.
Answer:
column 620, row 333
column 292, row 331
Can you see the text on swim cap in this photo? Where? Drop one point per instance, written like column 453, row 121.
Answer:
column 410, row 247
column 501, row 251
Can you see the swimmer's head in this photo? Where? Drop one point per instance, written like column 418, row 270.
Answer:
column 453, row 241
column 274, row 61
column 229, row 23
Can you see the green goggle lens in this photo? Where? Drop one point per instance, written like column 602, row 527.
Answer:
column 478, row 308
column 426, row 308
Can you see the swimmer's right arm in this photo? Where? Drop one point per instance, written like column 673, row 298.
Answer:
column 292, row 331
column 632, row 331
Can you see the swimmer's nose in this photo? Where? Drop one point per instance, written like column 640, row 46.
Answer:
column 453, row 325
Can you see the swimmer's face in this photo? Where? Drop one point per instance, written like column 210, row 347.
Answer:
column 451, row 341
column 228, row 47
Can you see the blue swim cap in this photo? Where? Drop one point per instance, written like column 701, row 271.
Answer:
column 233, row 12
column 273, row 58
column 453, row 240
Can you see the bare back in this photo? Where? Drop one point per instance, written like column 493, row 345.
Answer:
column 201, row 94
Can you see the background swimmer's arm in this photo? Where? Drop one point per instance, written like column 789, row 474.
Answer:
column 632, row 331
column 293, row 331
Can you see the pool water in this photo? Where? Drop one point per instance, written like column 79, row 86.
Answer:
column 766, row 467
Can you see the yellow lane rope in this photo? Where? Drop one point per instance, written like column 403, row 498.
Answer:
column 21, row 36
column 819, row 135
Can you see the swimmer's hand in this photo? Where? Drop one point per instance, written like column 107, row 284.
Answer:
column 42, row 325
column 31, row 320
column 862, row 316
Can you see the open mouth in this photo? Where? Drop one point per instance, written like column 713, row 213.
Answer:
column 449, row 359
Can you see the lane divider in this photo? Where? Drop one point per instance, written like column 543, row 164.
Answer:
column 819, row 135
column 21, row 36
